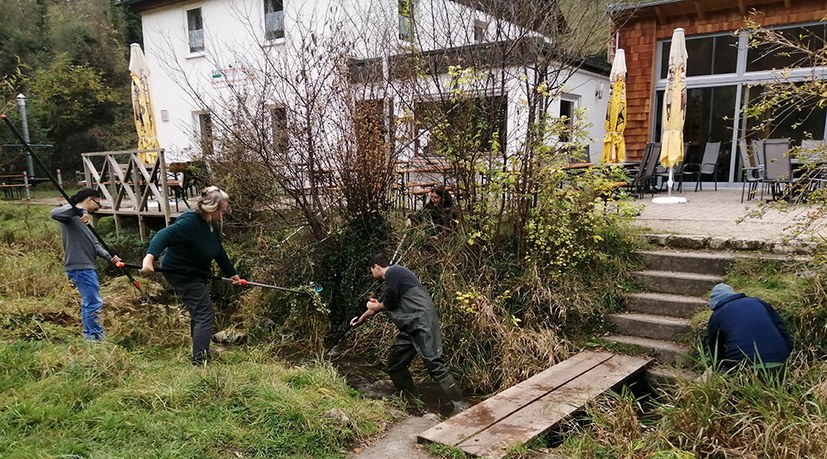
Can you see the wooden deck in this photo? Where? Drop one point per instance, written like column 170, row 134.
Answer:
column 520, row 413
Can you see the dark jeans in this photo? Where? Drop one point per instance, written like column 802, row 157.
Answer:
column 196, row 297
column 426, row 345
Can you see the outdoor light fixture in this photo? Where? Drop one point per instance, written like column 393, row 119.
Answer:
column 598, row 91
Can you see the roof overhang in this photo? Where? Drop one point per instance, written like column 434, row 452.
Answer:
column 500, row 54
column 662, row 10
column 143, row 5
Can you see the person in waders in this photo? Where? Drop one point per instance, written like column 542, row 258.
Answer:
column 190, row 246
column 80, row 247
column 408, row 304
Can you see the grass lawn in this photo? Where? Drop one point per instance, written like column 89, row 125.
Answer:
column 136, row 395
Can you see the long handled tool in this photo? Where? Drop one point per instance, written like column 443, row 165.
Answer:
column 350, row 328
column 343, row 334
column 103, row 244
column 315, row 288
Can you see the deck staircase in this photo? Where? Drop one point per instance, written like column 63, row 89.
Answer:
column 675, row 285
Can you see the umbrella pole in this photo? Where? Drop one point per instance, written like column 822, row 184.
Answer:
column 670, row 182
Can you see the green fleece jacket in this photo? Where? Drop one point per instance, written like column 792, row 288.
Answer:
column 191, row 244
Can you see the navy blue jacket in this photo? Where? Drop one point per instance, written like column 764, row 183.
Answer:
column 743, row 327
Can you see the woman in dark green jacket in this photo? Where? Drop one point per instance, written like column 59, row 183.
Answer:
column 189, row 246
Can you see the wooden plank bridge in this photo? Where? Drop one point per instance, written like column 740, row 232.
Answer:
column 531, row 408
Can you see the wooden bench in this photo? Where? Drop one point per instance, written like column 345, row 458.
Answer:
column 520, row 413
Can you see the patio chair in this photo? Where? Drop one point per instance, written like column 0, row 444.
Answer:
column 812, row 150
column 646, row 172
column 778, row 169
column 752, row 175
column 809, row 166
column 707, row 166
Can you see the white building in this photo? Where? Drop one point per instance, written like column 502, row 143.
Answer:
column 204, row 55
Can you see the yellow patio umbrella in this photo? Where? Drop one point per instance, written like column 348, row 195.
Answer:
column 674, row 107
column 614, row 146
column 142, row 104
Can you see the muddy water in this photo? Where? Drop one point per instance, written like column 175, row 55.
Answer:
column 369, row 378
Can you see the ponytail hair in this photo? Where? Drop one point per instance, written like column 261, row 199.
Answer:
column 211, row 199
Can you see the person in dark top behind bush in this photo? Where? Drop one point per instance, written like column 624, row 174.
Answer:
column 439, row 211
column 746, row 331
column 408, row 304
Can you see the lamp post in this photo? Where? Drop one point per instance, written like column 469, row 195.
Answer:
column 21, row 103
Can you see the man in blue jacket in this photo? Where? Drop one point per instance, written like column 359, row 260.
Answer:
column 746, row 331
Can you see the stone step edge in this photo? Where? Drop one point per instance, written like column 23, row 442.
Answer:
column 658, row 319
column 648, row 342
column 679, row 275
column 667, row 297
column 695, row 242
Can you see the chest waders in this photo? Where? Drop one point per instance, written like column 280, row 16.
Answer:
column 419, row 334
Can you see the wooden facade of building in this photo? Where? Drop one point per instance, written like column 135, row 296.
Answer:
column 641, row 28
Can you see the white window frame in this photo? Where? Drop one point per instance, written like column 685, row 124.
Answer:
column 196, row 52
column 406, row 36
column 198, row 128
column 278, row 34
column 482, row 26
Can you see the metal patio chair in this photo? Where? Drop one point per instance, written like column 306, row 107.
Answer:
column 778, row 169
column 707, row 166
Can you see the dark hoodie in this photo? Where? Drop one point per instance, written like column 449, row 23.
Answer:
column 743, row 327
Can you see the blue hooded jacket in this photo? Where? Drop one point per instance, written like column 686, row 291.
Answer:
column 743, row 327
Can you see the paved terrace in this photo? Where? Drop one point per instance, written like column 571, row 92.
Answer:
column 713, row 213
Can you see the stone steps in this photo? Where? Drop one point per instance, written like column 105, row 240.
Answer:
column 672, row 282
column 688, row 262
column 666, row 352
column 650, row 326
column 665, row 304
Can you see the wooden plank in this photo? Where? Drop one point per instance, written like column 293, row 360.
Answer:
column 541, row 415
column 479, row 417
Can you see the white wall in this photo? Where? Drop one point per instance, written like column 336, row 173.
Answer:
column 183, row 83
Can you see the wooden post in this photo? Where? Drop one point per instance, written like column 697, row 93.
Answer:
column 26, row 185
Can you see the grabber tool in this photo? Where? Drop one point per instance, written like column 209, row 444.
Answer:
column 243, row 282
column 144, row 297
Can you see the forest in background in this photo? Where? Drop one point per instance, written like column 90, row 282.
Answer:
column 70, row 60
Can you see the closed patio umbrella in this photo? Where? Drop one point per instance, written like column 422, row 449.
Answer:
column 142, row 104
column 614, row 146
column 674, row 112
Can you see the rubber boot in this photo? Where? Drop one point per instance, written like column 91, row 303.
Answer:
column 403, row 381
column 454, row 395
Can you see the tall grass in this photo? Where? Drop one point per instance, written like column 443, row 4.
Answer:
column 136, row 395
column 737, row 415
column 103, row 401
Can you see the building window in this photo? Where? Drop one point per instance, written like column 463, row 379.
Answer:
column 707, row 55
column 278, row 117
column 775, row 56
column 195, row 28
column 567, row 116
column 480, row 31
column 273, row 19
column 471, row 125
column 205, row 133
column 406, row 19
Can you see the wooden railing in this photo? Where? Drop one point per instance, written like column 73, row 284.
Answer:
column 127, row 183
